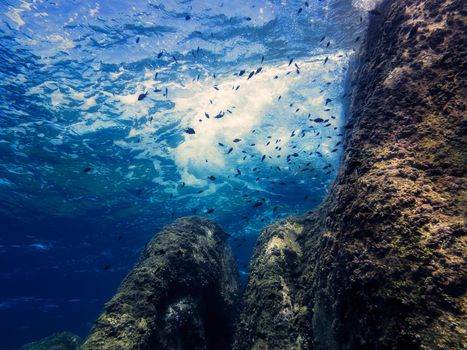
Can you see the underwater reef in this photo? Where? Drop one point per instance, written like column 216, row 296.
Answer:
column 182, row 294
column 379, row 265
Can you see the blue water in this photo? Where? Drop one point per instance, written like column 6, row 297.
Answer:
column 88, row 172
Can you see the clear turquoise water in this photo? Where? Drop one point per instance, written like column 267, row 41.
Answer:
column 88, row 172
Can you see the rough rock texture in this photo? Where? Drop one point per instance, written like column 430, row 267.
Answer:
column 58, row 341
column 182, row 294
column 381, row 264
column 271, row 316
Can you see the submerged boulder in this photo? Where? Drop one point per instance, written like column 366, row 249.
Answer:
column 272, row 316
column 182, row 294
column 57, row 341
column 381, row 264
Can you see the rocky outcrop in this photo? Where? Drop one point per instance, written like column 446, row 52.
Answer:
column 381, row 264
column 272, row 317
column 58, row 341
column 182, row 294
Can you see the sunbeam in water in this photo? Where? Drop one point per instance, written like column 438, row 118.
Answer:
column 117, row 117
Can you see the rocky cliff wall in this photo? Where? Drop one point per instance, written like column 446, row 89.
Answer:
column 381, row 264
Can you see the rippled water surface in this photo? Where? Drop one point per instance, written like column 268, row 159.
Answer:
column 118, row 116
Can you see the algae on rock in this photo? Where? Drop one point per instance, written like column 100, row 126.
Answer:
column 182, row 294
column 382, row 263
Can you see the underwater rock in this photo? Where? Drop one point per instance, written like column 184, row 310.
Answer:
column 57, row 341
column 271, row 316
column 182, row 294
column 382, row 261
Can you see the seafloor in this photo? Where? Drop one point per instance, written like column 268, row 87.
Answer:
column 379, row 265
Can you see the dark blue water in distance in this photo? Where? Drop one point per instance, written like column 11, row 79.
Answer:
column 88, row 173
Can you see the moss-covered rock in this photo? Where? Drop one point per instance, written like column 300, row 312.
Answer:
column 271, row 317
column 182, row 294
column 57, row 341
column 381, row 264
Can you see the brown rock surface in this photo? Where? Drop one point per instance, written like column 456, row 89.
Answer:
column 381, row 264
column 182, row 294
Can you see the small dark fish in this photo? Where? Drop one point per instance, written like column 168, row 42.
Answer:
column 279, row 97
column 262, row 60
column 187, row 18
column 207, row 115
column 175, row 59
column 86, row 170
column 329, row 43
column 251, row 74
column 322, row 39
column 230, row 150
column 276, row 77
column 248, row 19
column 257, row 204
column 327, row 101
column 106, row 267
column 212, row 178
column 263, row 157
column 239, row 173
column 190, row 131
column 137, row 40
column 237, row 140
column 290, row 62
column 306, row 4
column 305, row 198
column 210, row 211
column 241, row 73
column 166, row 92
column 183, row 184
column 299, row 11
column 219, row 116
column 318, row 120
column 216, row 88
column 259, row 70
column 326, row 60
column 357, row 39
column 142, row 96
column 375, row 13
column 221, row 144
